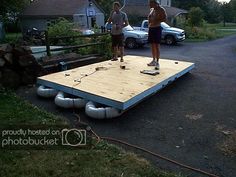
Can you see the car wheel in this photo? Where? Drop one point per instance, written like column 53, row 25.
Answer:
column 131, row 43
column 170, row 40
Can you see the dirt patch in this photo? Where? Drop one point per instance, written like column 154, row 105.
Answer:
column 194, row 116
column 229, row 145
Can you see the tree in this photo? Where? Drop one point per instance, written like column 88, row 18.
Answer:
column 10, row 9
column 12, row 6
column 226, row 12
column 213, row 11
column 107, row 6
column 232, row 4
column 195, row 16
column 211, row 8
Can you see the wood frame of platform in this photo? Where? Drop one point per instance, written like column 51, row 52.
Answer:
column 108, row 84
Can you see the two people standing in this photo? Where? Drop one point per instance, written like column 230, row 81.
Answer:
column 119, row 20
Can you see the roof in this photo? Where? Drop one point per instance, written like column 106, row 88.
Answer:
column 143, row 10
column 56, row 7
column 136, row 2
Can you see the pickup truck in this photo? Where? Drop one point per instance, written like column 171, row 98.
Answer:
column 133, row 38
column 170, row 35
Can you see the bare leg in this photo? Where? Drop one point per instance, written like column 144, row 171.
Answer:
column 157, row 52
column 115, row 52
column 153, row 51
column 121, row 53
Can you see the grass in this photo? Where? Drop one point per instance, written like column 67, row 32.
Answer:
column 195, row 40
column 210, row 32
column 11, row 38
column 221, row 30
column 16, row 111
column 221, row 25
column 103, row 160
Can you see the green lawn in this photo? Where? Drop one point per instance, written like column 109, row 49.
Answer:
column 221, row 25
column 11, row 37
column 103, row 160
column 210, row 32
column 222, row 31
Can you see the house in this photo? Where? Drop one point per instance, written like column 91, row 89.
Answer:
column 40, row 13
column 142, row 2
column 139, row 10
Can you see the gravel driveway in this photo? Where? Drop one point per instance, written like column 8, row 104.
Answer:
column 187, row 121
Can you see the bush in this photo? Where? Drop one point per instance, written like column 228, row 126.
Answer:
column 196, row 16
column 61, row 28
column 105, row 49
column 200, row 33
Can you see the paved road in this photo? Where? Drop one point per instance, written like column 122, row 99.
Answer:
column 185, row 120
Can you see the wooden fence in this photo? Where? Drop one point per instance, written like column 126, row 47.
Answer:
column 48, row 40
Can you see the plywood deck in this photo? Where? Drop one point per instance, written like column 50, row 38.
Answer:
column 113, row 86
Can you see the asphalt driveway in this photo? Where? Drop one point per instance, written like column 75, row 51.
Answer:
column 186, row 121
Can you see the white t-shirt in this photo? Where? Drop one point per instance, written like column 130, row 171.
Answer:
column 118, row 20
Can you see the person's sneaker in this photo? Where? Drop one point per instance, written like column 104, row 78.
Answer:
column 152, row 63
column 121, row 60
column 114, row 59
column 157, row 66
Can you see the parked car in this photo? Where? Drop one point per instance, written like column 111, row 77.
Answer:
column 170, row 35
column 133, row 38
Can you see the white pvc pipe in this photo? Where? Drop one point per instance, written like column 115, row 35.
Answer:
column 63, row 102
column 92, row 110
column 46, row 92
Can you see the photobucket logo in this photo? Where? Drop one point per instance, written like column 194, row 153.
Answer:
column 9, row 141
column 73, row 137
column 41, row 138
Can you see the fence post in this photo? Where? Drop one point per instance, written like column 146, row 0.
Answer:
column 47, row 44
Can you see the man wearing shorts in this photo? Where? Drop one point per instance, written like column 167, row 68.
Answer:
column 156, row 16
column 119, row 20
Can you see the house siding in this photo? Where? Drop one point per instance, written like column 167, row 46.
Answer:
column 40, row 24
column 38, row 17
column 145, row 2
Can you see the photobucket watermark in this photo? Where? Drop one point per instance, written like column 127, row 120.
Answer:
column 9, row 141
column 42, row 138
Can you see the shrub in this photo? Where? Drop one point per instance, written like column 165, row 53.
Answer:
column 62, row 27
column 196, row 16
column 200, row 33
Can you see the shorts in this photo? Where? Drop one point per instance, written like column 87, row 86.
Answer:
column 117, row 40
column 154, row 34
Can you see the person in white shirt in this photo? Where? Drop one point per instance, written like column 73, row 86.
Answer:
column 119, row 20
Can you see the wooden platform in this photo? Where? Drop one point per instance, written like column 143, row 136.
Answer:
column 110, row 85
